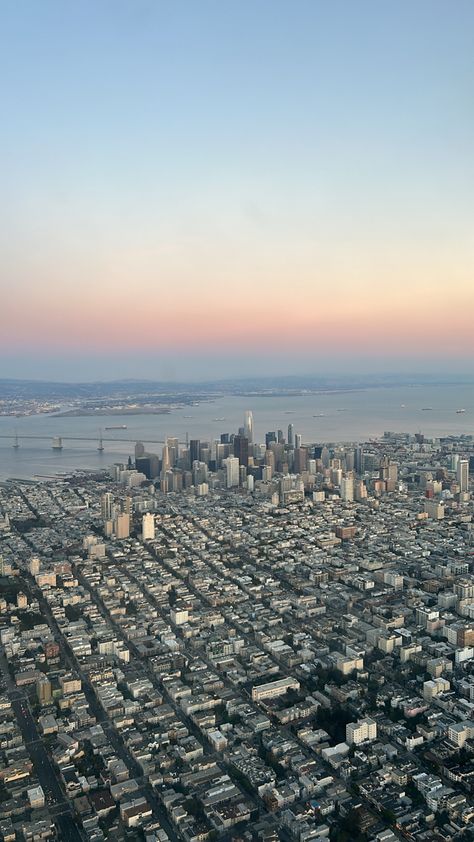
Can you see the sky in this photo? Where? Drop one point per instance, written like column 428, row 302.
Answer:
column 198, row 189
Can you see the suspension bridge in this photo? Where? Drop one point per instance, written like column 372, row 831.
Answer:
column 57, row 441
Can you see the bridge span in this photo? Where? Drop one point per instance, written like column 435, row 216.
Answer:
column 16, row 438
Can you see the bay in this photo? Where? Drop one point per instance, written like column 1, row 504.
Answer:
column 327, row 417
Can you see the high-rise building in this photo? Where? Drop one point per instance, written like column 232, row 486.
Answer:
column 298, row 440
column 173, row 450
column 139, row 449
column 291, row 435
column 300, row 462
column 122, row 525
column 350, row 460
column 200, row 472
column 231, row 467
column 149, row 464
column 176, row 480
column 194, row 450
column 360, row 491
column 434, row 509
column 165, row 460
column 107, row 506
column 347, row 489
column 241, row 449
column 44, row 690
column 388, row 473
column 205, row 452
column 270, row 460
column 21, row 600
column 462, row 474
column 361, row 731
column 34, row 566
column 248, row 425
column 148, row 527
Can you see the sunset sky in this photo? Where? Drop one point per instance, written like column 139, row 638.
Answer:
column 201, row 188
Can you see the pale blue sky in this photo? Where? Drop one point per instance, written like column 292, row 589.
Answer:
column 164, row 155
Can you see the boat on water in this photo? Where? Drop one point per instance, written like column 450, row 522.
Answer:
column 188, row 416
column 427, row 409
column 402, row 405
column 219, row 419
column 117, row 427
column 460, row 411
column 319, row 415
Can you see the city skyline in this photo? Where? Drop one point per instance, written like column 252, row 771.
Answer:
column 227, row 189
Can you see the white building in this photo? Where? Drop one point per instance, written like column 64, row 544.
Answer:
column 107, row 508
column 36, row 797
column 179, row 615
column 248, row 425
column 434, row 509
column 362, row 731
column 274, row 688
column 462, row 474
column 435, row 687
column 148, row 527
column 231, row 466
column 347, row 489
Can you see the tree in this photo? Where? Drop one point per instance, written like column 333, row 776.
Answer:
column 172, row 596
column 388, row 816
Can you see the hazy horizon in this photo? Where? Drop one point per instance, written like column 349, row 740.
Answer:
column 345, row 379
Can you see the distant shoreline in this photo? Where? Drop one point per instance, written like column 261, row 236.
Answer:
column 104, row 413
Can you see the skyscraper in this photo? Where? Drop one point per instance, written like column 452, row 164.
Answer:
column 148, row 465
column 165, row 460
column 173, row 450
column 300, row 463
column 347, row 489
column 291, row 435
column 462, row 473
column 194, row 450
column 107, row 506
column 241, row 449
column 122, row 525
column 248, row 425
column 231, row 465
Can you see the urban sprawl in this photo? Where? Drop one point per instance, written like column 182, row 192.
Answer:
column 237, row 640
